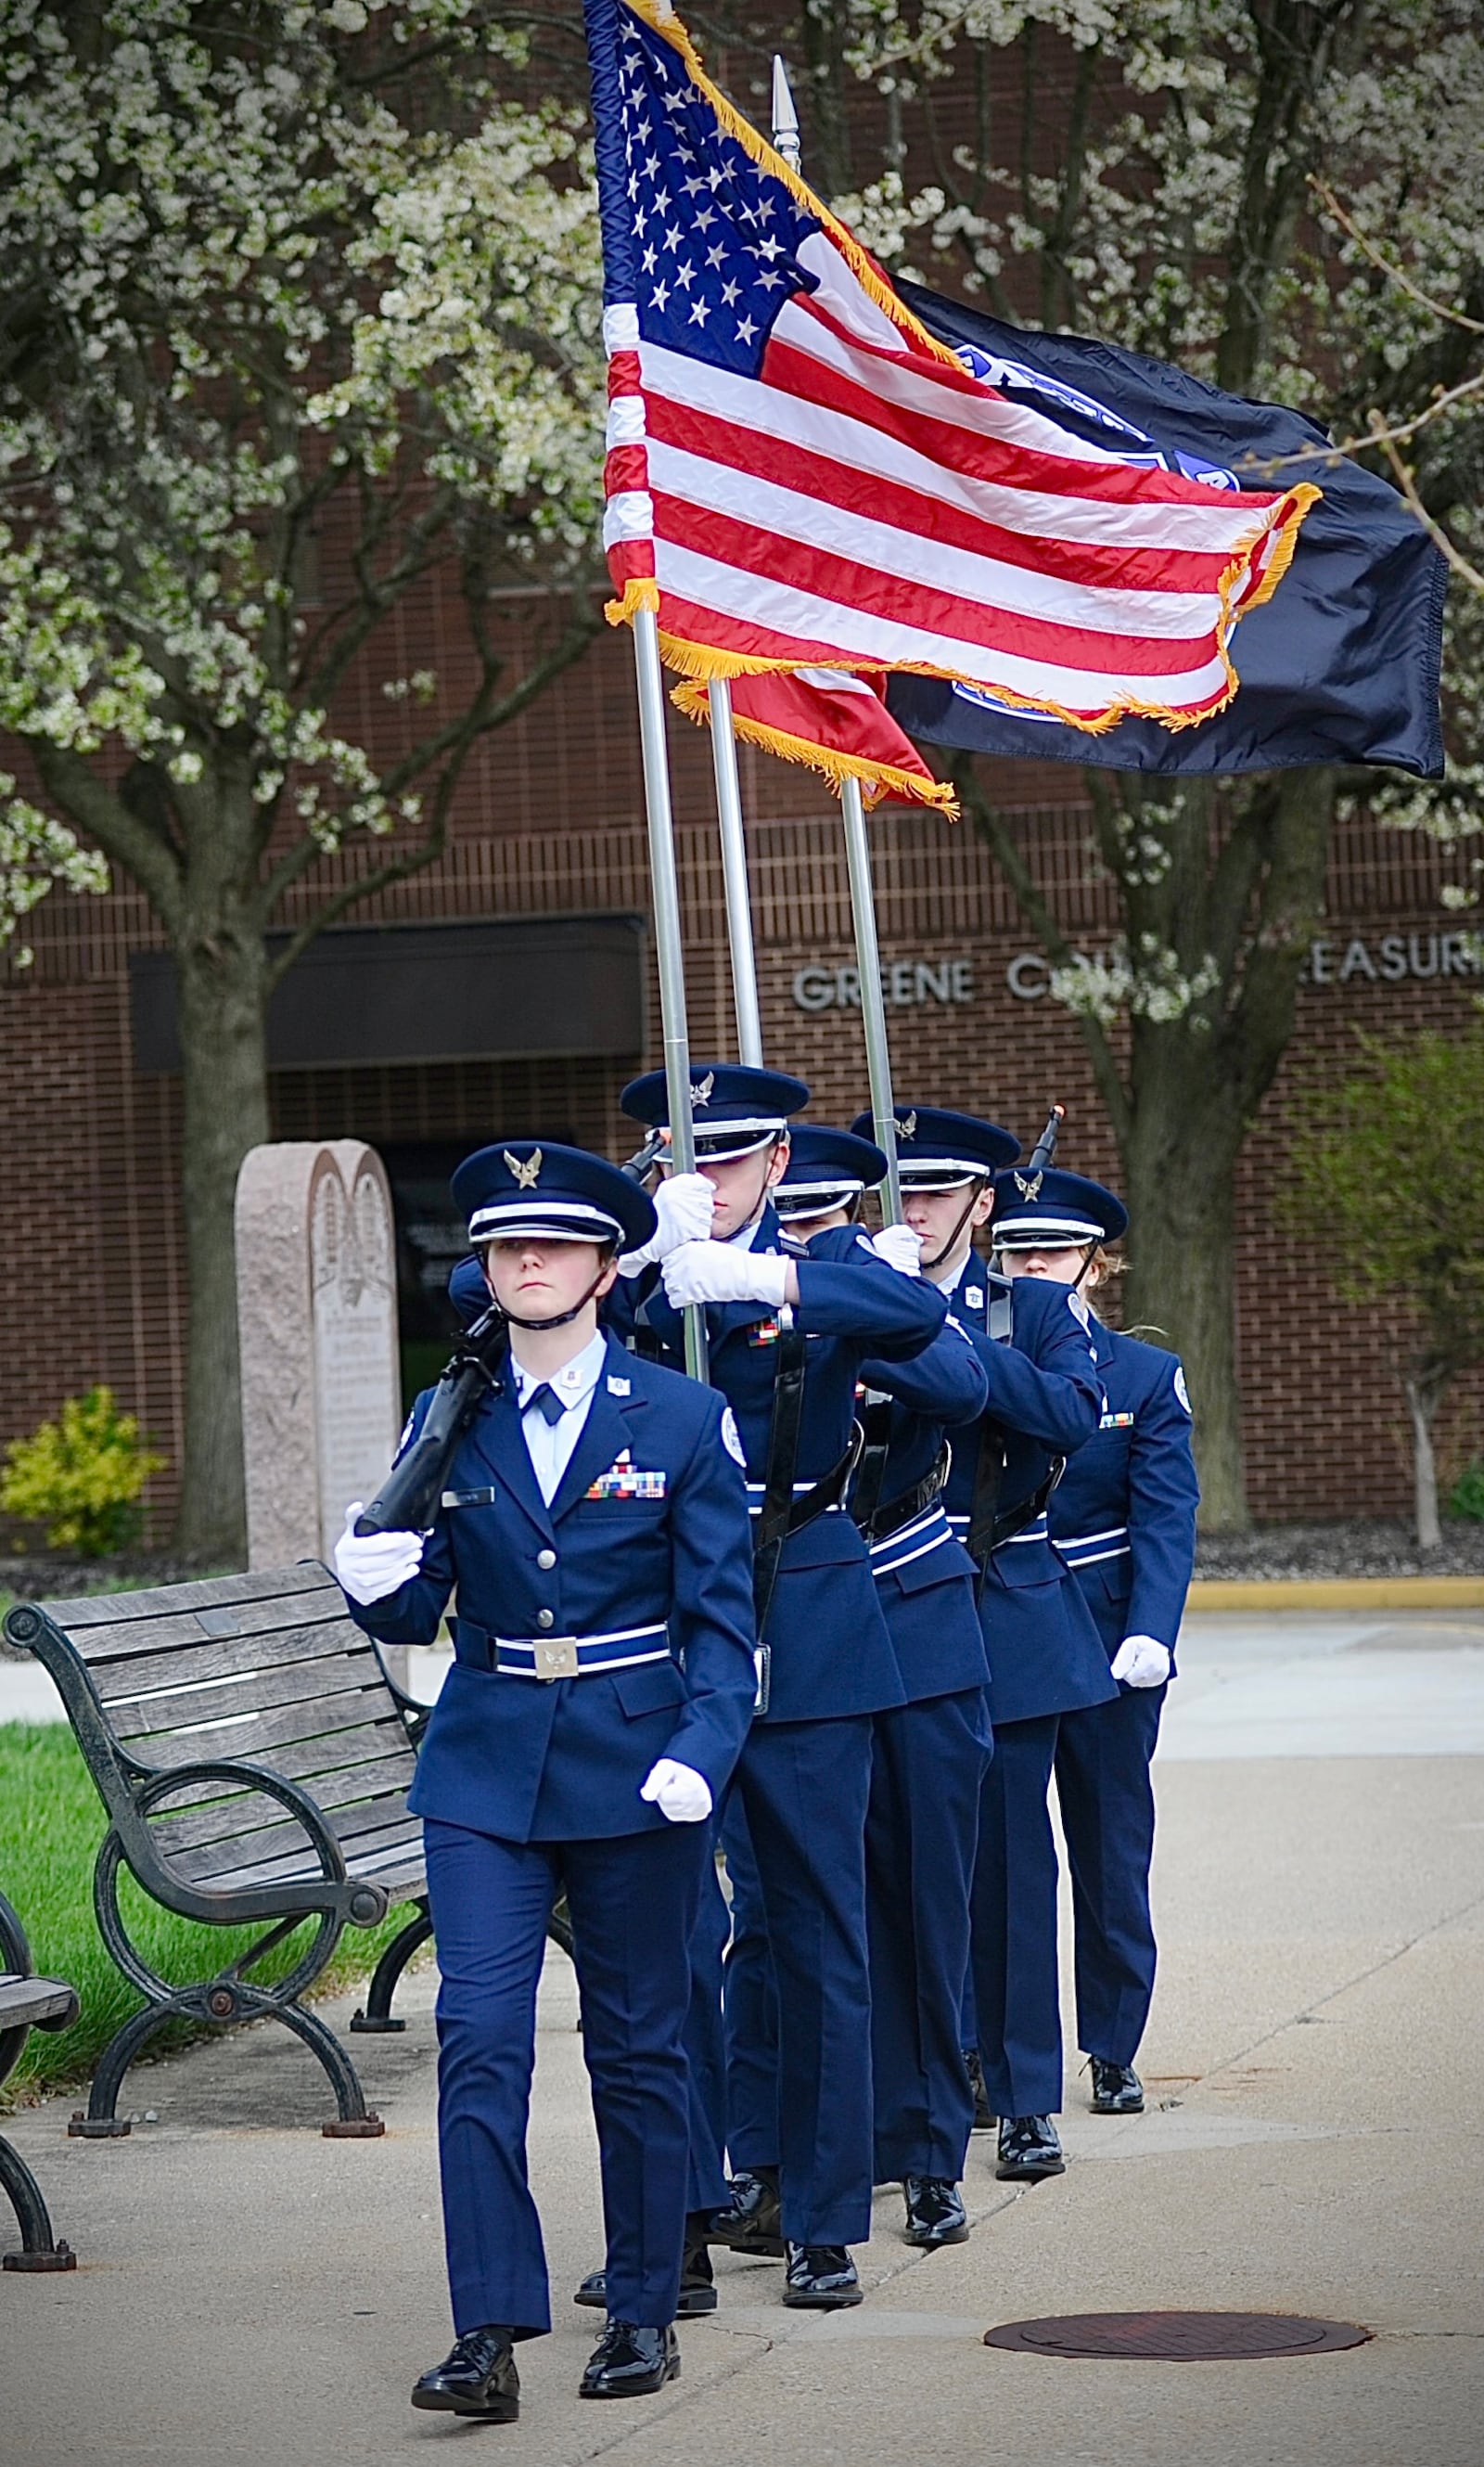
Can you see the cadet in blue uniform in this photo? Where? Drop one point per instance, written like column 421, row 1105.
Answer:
column 1046, row 1658
column 929, row 1754
column 788, row 1335
column 595, row 1527
column 1124, row 1520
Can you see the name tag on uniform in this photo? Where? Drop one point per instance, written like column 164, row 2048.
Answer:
column 1116, row 1422
column 625, row 1479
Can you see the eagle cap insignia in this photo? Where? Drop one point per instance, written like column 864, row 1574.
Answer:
column 1028, row 1185
column 526, row 1172
column 907, row 1127
column 701, row 1091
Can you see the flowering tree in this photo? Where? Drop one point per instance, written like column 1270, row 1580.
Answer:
column 1140, row 170
column 300, row 313
column 1391, row 1162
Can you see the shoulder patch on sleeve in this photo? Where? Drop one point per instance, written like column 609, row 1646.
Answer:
column 1076, row 1303
column 731, row 1437
column 1182, row 1392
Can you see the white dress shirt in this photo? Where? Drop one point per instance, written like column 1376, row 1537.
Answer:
column 550, row 1445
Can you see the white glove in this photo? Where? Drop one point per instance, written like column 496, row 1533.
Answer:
column 1142, row 1662
column 716, row 1272
column 900, row 1248
column 371, row 1566
column 681, row 1794
column 682, row 1203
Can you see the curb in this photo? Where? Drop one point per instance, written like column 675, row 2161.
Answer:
column 1336, row 1594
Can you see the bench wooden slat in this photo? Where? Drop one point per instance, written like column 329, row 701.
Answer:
column 32, row 2003
column 130, row 1677
column 315, row 1760
column 262, row 1843
column 292, row 1683
column 231, row 1816
column 394, row 1854
column 206, row 1592
column 260, row 1737
column 123, row 1640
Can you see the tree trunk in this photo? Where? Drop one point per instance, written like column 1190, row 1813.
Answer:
column 222, row 984
column 1424, row 1397
column 1179, row 1289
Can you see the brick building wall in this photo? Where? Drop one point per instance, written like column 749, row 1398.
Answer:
column 550, row 822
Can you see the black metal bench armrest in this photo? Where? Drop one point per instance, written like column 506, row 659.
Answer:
column 362, row 1903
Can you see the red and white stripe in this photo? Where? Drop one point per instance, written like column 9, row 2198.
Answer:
column 862, row 503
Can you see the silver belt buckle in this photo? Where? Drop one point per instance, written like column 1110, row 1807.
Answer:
column 556, row 1658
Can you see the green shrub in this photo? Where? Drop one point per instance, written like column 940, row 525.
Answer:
column 1468, row 1492
column 81, row 1476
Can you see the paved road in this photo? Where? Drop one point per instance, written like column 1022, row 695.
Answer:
column 254, row 2293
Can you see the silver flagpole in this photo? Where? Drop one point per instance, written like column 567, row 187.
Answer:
column 873, row 1009
column 667, row 944
column 858, row 854
column 734, row 865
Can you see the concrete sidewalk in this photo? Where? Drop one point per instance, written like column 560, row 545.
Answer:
column 249, row 2293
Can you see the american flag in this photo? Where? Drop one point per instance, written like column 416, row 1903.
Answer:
column 799, row 475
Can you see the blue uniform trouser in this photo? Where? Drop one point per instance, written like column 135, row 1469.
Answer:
column 751, row 2002
column 804, row 1787
column 927, row 1773
column 1103, row 1784
column 705, row 2044
column 633, row 1902
column 1016, row 1988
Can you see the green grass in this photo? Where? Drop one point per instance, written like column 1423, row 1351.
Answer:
column 52, row 1822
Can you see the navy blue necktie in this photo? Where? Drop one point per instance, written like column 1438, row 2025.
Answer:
column 548, row 1400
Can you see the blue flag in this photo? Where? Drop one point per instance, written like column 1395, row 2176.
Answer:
column 1342, row 664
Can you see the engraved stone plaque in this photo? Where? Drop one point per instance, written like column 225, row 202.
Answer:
column 317, row 1311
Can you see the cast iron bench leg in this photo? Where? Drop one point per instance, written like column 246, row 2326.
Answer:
column 376, row 2014
column 39, row 2247
column 355, row 2120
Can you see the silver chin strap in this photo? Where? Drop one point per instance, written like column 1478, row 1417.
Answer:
column 563, row 1319
column 928, row 1266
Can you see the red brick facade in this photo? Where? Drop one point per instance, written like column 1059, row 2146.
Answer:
column 550, row 822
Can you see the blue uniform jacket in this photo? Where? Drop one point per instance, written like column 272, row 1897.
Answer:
column 1124, row 1516
column 924, row 1576
column 647, row 1530
column 1045, row 1395
column 828, row 1651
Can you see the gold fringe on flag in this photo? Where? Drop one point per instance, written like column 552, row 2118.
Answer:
column 878, row 779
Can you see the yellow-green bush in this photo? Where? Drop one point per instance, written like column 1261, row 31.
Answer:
column 81, row 1476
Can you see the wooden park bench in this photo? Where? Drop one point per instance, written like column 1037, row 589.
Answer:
column 254, row 1760
column 28, row 2003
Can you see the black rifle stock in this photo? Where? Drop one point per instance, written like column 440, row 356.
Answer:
column 408, row 1500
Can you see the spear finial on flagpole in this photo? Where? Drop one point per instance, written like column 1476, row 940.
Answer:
column 785, row 117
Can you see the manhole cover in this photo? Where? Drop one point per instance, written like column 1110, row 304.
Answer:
column 1177, row 2337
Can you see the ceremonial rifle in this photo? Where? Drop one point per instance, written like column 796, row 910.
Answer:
column 409, row 1499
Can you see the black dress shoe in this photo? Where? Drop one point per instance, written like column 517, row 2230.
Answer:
column 983, row 2113
column 478, row 2378
column 821, row 2279
column 1028, row 2150
column 1116, row 2089
column 631, row 2361
column 753, row 2220
column 697, row 2287
column 934, row 2212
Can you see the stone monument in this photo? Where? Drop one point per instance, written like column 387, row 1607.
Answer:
column 317, row 1315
